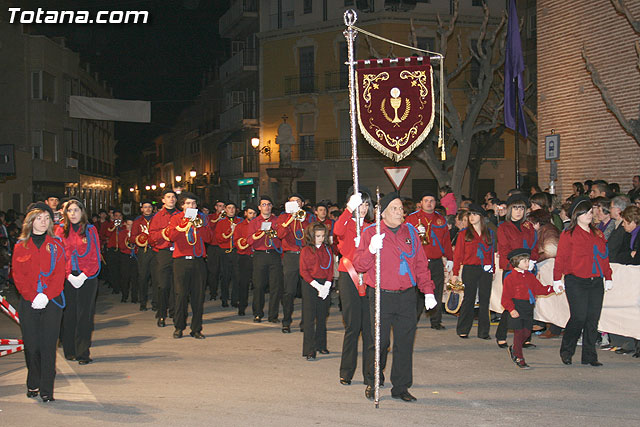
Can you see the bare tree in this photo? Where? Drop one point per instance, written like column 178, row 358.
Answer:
column 631, row 126
column 475, row 118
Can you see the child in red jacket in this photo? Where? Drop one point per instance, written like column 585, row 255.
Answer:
column 518, row 298
column 317, row 271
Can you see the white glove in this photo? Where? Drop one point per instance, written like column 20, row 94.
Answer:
column 429, row 301
column 354, row 201
column 40, row 301
column 608, row 285
column 326, row 289
column 449, row 265
column 376, row 243
column 316, row 285
column 421, row 229
column 532, row 264
column 73, row 280
column 558, row 286
column 356, row 240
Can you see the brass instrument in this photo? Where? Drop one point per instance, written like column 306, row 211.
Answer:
column 271, row 233
column 300, row 215
column 117, row 222
column 197, row 222
column 424, row 239
column 455, row 286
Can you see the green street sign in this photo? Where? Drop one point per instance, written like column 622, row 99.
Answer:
column 246, row 181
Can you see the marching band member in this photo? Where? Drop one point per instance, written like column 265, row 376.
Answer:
column 145, row 255
column 474, row 253
column 403, row 266
column 189, row 233
column 223, row 236
column 267, row 266
column 436, row 244
column 514, row 233
column 316, row 270
column 128, row 263
column 38, row 272
column 245, row 259
column 162, row 277
column 82, row 247
column 583, row 261
column 214, row 256
column 112, row 255
column 290, row 227
column 355, row 303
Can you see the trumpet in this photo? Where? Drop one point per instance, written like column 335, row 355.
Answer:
column 300, row 215
column 423, row 238
column 197, row 222
column 457, row 286
column 117, row 222
column 271, row 233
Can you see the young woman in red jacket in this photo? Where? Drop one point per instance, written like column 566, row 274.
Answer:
column 82, row 247
column 583, row 260
column 38, row 272
column 475, row 253
column 316, row 269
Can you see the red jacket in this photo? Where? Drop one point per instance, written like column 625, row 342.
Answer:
column 393, row 247
column 223, row 235
column 47, row 265
column 316, row 263
column 240, row 237
column 466, row 253
column 82, row 252
column 517, row 286
column 188, row 240
column 258, row 238
column 510, row 238
column 437, row 231
column 159, row 222
column 292, row 236
column 212, row 222
column 582, row 254
column 102, row 232
column 126, row 244
column 140, row 232
column 345, row 230
column 113, row 235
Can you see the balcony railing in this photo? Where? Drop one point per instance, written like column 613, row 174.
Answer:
column 337, row 149
column 336, row 80
column 245, row 60
column 297, row 84
column 238, row 166
column 236, row 115
column 239, row 9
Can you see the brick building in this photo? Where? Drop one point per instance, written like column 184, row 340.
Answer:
column 592, row 142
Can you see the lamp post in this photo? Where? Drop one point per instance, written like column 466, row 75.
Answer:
column 266, row 149
column 162, row 185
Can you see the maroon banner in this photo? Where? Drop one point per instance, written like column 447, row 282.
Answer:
column 395, row 104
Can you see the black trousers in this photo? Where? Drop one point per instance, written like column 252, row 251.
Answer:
column 503, row 325
column 146, row 261
column 267, row 271
column 475, row 280
column 314, row 320
column 213, row 272
column 77, row 319
column 291, row 268
column 357, row 320
column 397, row 311
column 129, row 277
column 189, row 279
column 163, row 280
column 245, row 271
column 229, row 267
column 585, row 305
column 112, row 258
column 436, row 267
column 40, row 330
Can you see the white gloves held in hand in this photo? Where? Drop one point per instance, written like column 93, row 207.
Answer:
column 532, row 264
column 323, row 290
column 77, row 281
column 449, row 265
column 376, row 243
column 354, row 201
column 608, row 285
column 558, row 286
column 40, row 301
column 429, row 301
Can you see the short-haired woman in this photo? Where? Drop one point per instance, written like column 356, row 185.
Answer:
column 38, row 272
column 82, row 247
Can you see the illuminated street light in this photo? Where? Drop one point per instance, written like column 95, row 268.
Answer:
column 153, row 187
column 255, row 142
column 178, row 178
column 147, row 187
column 192, row 173
column 162, row 185
column 131, row 189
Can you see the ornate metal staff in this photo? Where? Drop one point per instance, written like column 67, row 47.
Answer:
column 376, row 377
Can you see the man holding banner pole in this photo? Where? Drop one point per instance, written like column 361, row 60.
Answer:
column 403, row 266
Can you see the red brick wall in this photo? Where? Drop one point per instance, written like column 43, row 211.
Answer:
column 592, row 143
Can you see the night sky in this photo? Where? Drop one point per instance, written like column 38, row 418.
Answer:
column 161, row 61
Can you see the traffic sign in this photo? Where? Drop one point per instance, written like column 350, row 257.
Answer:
column 397, row 175
column 245, row 181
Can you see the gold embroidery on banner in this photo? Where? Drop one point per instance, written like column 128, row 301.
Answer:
column 395, row 103
column 418, row 78
column 397, row 141
column 369, row 81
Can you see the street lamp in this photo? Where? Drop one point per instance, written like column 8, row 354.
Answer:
column 162, row 185
column 178, row 178
column 147, row 187
column 153, row 187
column 266, row 149
column 192, row 173
column 131, row 189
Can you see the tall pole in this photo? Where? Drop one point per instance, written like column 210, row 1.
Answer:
column 376, row 377
column 350, row 19
column 517, row 134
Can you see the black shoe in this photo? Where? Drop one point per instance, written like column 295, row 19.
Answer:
column 464, row 337
column 257, row 319
column 234, row 304
column 85, row 361
column 623, row 351
column 566, row 359
column 197, row 335
column 241, row 312
column 513, row 358
column 521, row 363
column 143, row 307
column 636, row 354
column 311, row 356
column 345, row 381
column 485, row 338
column 123, row 299
column 406, row 396
column 177, row 333
column 161, row 322
column 34, row 393
column 212, row 298
column 368, row 392
column 501, row 345
column 438, row 327
column 276, row 320
column 594, row 363
column 324, row 351
column 134, row 301
column 529, row 345
column 47, row 398
column 70, row 358
column 225, row 304
column 286, row 330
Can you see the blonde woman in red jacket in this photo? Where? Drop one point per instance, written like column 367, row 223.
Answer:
column 38, row 267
